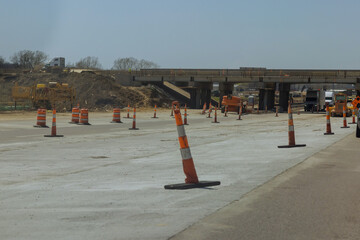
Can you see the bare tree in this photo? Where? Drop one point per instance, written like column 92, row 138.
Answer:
column 29, row 59
column 2, row 60
column 89, row 62
column 131, row 63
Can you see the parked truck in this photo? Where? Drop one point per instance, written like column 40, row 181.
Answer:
column 340, row 99
column 329, row 98
column 315, row 100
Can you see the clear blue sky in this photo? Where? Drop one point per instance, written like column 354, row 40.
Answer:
column 188, row 33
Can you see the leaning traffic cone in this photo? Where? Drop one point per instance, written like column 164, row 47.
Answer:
column 353, row 117
column 204, row 109
column 128, row 111
column 53, row 127
column 226, row 110
column 328, row 125
column 75, row 115
column 185, row 116
column 155, row 112
column 134, row 121
column 291, row 132
column 277, row 112
column 116, row 116
column 344, row 117
column 240, row 112
column 191, row 180
column 215, row 116
column 41, row 118
column 358, row 125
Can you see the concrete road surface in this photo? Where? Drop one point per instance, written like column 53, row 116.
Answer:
column 317, row 199
column 106, row 182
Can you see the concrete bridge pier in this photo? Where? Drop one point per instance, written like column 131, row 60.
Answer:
column 200, row 93
column 225, row 88
column 267, row 96
column 284, row 92
column 357, row 87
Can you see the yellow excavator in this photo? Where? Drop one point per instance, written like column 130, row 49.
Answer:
column 45, row 95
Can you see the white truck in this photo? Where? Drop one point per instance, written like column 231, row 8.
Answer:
column 329, row 98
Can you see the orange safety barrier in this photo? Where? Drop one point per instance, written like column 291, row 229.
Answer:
column 344, row 118
column 353, row 117
column 53, row 127
column 134, row 121
column 215, row 116
column 75, row 115
column 240, row 112
column 204, row 109
column 155, row 112
column 291, row 132
column 41, row 118
column 128, row 111
column 116, row 116
column 185, row 116
column 191, row 180
column 328, row 125
column 84, row 117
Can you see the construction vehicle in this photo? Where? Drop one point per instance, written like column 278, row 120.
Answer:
column 45, row 95
column 340, row 99
column 233, row 104
column 315, row 100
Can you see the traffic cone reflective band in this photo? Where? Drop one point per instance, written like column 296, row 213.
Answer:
column 358, row 125
column 226, row 110
column 277, row 112
column 84, row 117
column 328, row 125
column 116, row 116
column 75, row 115
column 41, row 118
column 134, row 121
column 185, row 116
column 344, row 117
column 353, row 117
column 240, row 112
column 215, row 116
column 191, row 180
column 53, row 127
column 291, row 132
column 204, row 109
column 155, row 112
column 128, row 111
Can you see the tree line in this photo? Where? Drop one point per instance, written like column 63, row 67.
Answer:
column 31, row 59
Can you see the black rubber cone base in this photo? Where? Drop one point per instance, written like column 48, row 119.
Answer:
column 116, row 122
column 329, row 133
column 239, row 119
column 351, row 123
column 292, row 146
column 185, row 124
column 53, row 135
column 208, row 117
column 83, row 124
column 345, row 127
column 201, row 184
column 133, row 129
column 39, row 126
column 215, row 122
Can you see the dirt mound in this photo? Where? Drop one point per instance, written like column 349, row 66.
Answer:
column 95, row 92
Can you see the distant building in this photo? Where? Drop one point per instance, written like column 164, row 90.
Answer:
column 56, row 62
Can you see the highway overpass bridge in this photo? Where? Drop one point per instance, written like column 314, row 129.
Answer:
column 199, row 82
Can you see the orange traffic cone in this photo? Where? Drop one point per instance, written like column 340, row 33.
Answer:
column 41, row 118
column 204, row 109
column 226, row 111
column 155, row 112
column 328, row 125
column 75, row 115
column 240, row 112
column 344, row 117
column 215, row 116
column 291, row 132
column 134, row 121
column 353, row 117
column 191, row 180
column 185, row 116
column 209, row 112
column 53, row 127
column 128, row 111
column 116, row 116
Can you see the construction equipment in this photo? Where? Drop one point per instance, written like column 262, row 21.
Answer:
column 44, row 95
column 233, row 104
column 315, row 100
column 340, row 100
